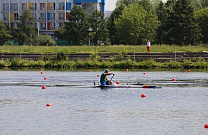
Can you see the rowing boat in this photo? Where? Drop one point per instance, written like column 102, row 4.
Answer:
column 126, row 86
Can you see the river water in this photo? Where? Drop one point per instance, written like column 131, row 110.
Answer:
column 178, row 108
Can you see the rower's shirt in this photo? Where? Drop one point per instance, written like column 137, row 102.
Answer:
column 103, row 77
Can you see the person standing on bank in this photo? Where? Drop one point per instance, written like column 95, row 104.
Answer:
column 148, row 45
column 103, row 78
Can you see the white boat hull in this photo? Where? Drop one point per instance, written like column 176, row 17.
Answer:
column 126, row 86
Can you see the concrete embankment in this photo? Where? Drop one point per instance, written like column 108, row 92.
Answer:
column 159, row 57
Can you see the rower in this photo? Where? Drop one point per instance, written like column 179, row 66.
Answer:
column 103, row 78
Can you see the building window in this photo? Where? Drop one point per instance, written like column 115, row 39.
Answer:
column 33, row 7
column 51, row 6
column 42, row 26
column 24, row 6
column 52, row 26
column 34, row 15
column 42, row 16
column 61, row 16
column 61, row 24
column 15, row 16
column 61, row 6
column 5, row 6
column 52, row 16
column 15, row 6
column 42, row 6
column 5, row 16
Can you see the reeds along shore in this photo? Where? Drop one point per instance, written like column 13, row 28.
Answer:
column 19, row 63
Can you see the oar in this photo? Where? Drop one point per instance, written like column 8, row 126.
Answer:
column 111, row 78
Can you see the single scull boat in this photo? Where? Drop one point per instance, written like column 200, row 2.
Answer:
column 126, row 86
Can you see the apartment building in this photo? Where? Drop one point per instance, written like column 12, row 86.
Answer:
column 48, row 14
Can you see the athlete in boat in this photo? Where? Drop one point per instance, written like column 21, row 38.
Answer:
column 103, row 78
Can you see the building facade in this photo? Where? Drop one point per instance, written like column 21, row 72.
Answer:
column 48, row 14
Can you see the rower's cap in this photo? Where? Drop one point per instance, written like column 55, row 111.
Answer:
column 106, row 70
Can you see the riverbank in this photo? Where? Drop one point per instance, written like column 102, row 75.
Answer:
column 125, row 57
column 64, row 64
column 100, row 49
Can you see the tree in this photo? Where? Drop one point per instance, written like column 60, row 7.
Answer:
column 201, row 18
column 4, row 33
column 61, row 33
column 162, row 15
column 99, row 31
column 130, row 26
column 25, row 33
column 111, row 25
column 136, row 25
column 77, row 27
column 182, row 27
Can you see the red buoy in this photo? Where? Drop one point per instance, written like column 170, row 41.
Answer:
column 41, row 72
column 189, row 71
column 144, row 73
column 45, row 78
column 43, row 87
column 206, row 126
column 117, row 83
column 48, row 104
column 127, row 69
column 173, row 79
column 41, row 69
column 98, row 75
column 143, row 95
column 89, row 70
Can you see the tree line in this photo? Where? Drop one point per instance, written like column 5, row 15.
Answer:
column 133, row 22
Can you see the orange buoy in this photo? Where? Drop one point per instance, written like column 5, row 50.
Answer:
column 41, row 72
column 206, row 126
column 143, row 95
column 189, row 71
column 117, row 83
column 45, row 78
column 48, row 104
column 127, row 69
column 173, row 79
column 89, row 70
column 98, row 75
column 43, row 87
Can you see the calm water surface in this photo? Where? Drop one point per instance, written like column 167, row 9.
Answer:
column 178, row 108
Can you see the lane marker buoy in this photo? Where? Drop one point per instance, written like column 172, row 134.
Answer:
column 173, row 79
column 43, row 87
column 48, row 104
column 206, row 126
column 143, row 95
column 117, row 82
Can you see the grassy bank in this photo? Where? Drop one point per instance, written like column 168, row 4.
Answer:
column 92, row 49
column 64, row 64
column 94, row 62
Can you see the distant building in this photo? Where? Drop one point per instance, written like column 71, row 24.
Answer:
column 107, row 13
column 48, row 14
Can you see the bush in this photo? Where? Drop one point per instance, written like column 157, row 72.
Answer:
column 45, row 40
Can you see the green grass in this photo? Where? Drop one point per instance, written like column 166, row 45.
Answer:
column 97, row 49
